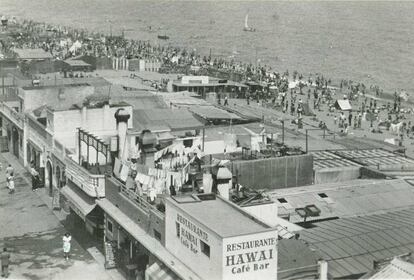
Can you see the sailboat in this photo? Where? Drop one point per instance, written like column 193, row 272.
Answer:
column 246, row 26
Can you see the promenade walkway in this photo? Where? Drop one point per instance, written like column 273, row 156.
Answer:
column 33, row 233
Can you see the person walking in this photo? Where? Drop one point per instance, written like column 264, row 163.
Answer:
column 5, row 261
column 66, row 245
column 11, row 184
column 9, row 170
column 35, row 178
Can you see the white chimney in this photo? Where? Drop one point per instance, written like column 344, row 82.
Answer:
column 122, row 117
column 323, row 270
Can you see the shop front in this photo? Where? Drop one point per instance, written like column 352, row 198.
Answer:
column 135, row 252
column 130, row 256
column 83, row 211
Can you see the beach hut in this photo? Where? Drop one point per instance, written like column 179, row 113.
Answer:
column 343, row 105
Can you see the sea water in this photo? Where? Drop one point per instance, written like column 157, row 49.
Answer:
column 371, row 42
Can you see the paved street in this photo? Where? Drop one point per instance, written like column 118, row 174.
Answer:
column 33, row 233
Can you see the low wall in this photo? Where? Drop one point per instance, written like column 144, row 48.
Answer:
column 147, row 221
column 337, row 174
column 275, row 173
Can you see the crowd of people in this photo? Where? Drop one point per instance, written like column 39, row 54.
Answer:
column 64, row 42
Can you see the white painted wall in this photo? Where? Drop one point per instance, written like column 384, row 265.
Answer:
column 208, row 268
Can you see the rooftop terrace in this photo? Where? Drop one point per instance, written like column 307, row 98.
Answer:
column 218, row 215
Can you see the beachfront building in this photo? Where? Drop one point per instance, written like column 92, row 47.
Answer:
column 75, row 68
column 135, row 64
column 203, row 85
column 189, row 237
column 27, row 54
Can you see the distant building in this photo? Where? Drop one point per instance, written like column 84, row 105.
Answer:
column 205, row 84
column 32, row 54
column 72, row 67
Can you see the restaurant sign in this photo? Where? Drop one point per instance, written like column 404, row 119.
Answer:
column 190, row 234
column 250, row 257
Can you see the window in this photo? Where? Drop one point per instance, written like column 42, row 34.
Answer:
column 323, row 195
column 205, row 248
column 282, row 200
column 177, row 227
column 157, row 235
column 109, row 226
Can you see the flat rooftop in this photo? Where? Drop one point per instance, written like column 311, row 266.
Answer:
column 345, row 199
column 165, row 119
column 220, row 216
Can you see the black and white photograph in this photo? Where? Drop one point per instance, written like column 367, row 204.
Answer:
column 206, row 140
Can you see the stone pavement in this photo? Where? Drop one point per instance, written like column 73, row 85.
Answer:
column 33, row 234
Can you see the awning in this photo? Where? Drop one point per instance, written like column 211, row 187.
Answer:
column 149, row 242
column 81, row 205
column 224, row 173
column 343, row 105
column 159, row 271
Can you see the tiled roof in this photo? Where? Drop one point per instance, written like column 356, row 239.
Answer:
column 350, row 245
column 374, row 157
column 327, row 159
column 361, row 157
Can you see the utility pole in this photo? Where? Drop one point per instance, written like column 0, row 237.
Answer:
column 306, row 141
column 255, row 59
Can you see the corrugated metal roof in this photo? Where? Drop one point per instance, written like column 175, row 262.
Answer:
column 397, row 269
column 350, row 245
column 294, row 253
column 357, row 197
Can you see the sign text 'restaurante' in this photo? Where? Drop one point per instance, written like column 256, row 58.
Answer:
column 249, row 256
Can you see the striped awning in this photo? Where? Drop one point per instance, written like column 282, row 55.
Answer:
column 158, row 271
column 80, row 204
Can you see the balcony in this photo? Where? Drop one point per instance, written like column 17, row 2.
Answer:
column 92, row 184
column 141, row 202
column 14, row 116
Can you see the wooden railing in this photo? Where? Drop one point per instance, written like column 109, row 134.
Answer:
column 139, row 201
column 14, row 116
column 92, row 184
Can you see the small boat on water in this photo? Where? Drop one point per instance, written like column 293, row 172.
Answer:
column 163, row 37
column 246, row 26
